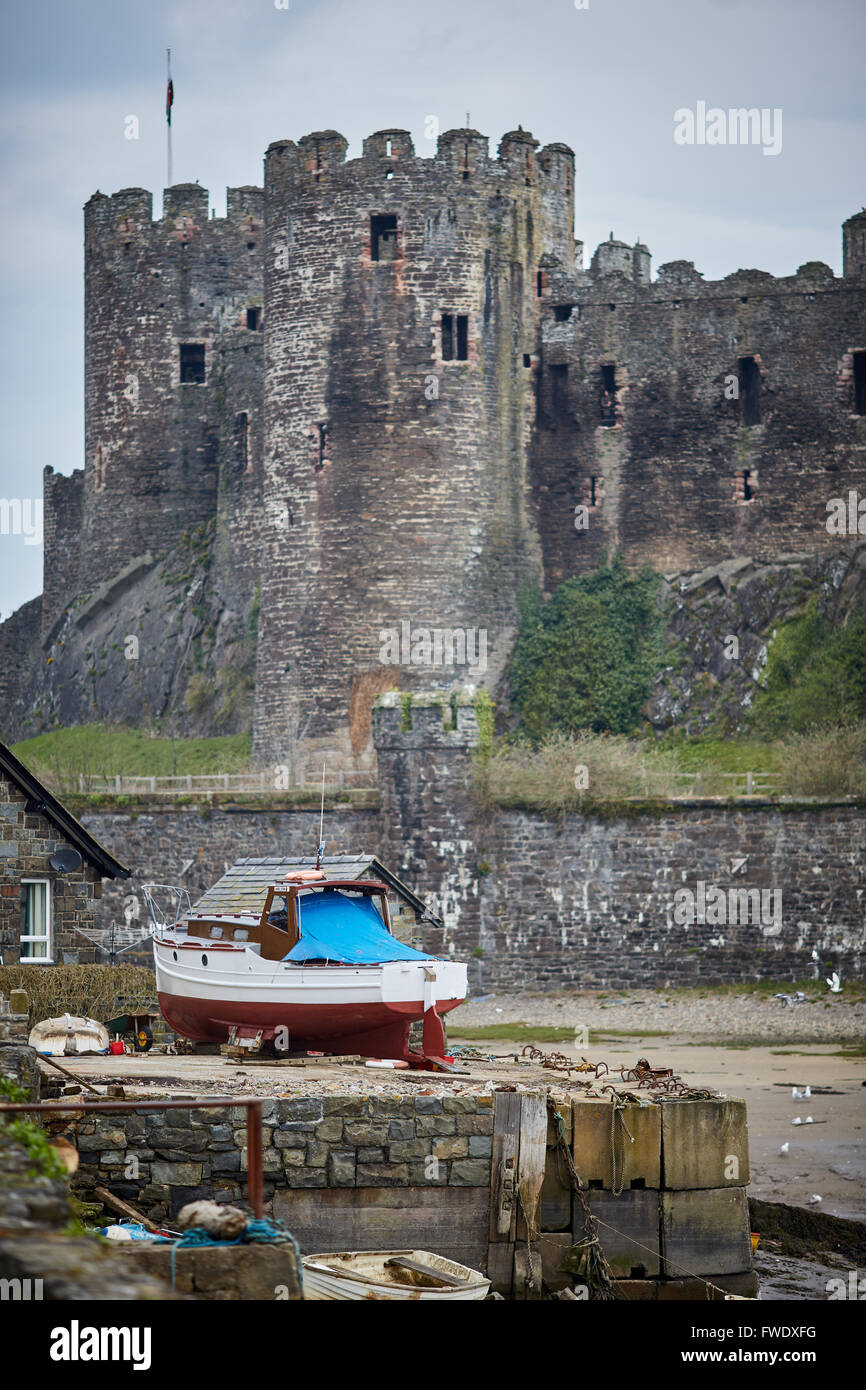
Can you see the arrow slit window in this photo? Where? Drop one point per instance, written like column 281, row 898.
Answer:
column 35, row 921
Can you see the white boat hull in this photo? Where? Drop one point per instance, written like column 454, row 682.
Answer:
column 363, row 1275
column 206, row 988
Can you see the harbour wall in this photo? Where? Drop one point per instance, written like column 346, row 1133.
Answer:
column 477, row 1176
column 633, row 899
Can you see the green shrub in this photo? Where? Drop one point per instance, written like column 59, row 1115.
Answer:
column 815, row 675
column 585, row 659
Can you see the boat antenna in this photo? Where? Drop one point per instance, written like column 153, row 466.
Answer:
column 321, row 849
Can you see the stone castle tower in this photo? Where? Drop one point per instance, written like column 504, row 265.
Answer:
column 403, row 311
column 388, row 386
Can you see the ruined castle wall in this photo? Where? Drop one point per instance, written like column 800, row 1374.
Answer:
column 19, row 643
column 395, row 482
column 152, row 442
column 63, row 519
column 683, row 478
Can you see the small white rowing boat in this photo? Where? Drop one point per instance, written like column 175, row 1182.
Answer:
column 68, row 1036
column 403, row 1275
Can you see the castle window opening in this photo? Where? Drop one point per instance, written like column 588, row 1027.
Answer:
column 192, row 364
column 321, row 444
column 562, row 312
column 254, row 318
column 242, row 439
column 388, row 148
column 541, row 282
column 383, row 236
column 558, row 391
column 748, row 490
column 859, row 383
column 607, row 396
column 447, row 337
column 593, row 500
column 455, row 337
column 527, row 360
column 750, row 390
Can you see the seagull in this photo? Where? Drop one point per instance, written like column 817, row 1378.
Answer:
column 785, row 1147
column 797, row 1094
column 815, row 1199
column 789, row 1000
column 835, row 982
column 807, row 1093
column 815, row 955
column 798, row 1121
column 809, row 1120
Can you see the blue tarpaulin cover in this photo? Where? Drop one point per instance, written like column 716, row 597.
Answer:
column 346, row 929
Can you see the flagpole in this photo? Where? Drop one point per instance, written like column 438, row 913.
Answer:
column 168, row 113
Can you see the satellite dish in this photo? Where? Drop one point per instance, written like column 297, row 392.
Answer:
column 66, row 861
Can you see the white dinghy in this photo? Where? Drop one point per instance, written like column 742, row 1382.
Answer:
column 408, row 1276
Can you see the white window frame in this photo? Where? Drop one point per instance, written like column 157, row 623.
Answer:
column 48, row 958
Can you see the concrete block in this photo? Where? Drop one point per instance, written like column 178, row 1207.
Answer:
column 603, row 1135
column 628, row 1230
column 705, row 1144
column 554, row 1247
column 705, row 1231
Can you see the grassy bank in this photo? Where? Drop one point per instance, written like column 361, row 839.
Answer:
column 573, row 772
column 104, row 750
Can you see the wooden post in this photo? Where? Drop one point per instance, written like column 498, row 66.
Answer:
column 531, row 1163
column 503, row 1191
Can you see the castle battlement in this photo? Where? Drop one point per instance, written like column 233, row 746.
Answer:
column 321, row 156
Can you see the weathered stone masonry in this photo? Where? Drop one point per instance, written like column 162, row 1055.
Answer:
column 538, row 904
column 308, row 1142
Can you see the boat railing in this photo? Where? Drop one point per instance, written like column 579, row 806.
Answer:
column 159, row 897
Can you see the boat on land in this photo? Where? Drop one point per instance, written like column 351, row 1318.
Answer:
column 69, row 1035
column 401, row 1275
column 315, row 968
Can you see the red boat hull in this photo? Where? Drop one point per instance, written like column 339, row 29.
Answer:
column 370, row 1030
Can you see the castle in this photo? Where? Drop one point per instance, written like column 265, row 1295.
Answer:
column 396, row 394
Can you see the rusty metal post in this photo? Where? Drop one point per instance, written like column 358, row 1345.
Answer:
column 255, row 1191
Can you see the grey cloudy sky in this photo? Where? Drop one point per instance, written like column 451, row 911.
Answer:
column 605, row 79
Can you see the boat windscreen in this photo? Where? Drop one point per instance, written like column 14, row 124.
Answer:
column 346, row 930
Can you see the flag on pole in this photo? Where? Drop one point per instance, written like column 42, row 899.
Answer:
column 169, row 100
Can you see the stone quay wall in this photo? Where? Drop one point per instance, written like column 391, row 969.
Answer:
column 159, row 1162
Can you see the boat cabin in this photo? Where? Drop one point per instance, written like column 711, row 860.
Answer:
column 263, row 902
